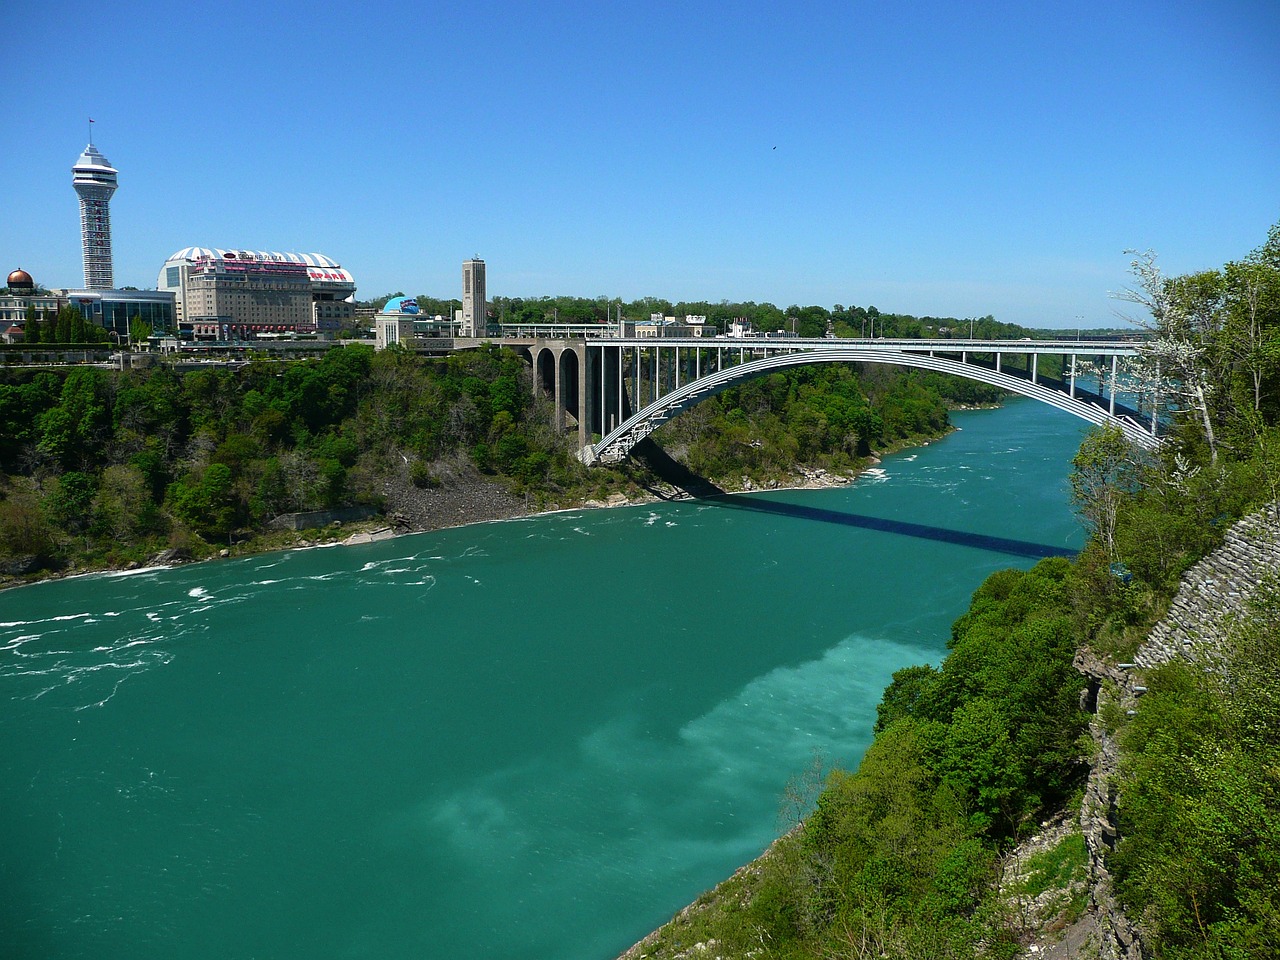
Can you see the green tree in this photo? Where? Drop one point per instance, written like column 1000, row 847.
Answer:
column 65, row 323
column 139, row 330
column 31, row 327
column 70, row 501
column 205, row 501
column 25, row 529
column 123, row 507
column 75, row 429
column 978, row 761
column 79, row 329
column 1103, row 473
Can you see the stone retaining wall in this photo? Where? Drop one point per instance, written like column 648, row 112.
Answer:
column 321, row 518
column 1216, row 591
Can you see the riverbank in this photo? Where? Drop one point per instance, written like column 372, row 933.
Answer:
column 462, row 496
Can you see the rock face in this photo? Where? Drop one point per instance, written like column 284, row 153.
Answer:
column 1118, row 938
column 20, row 566
column 1214, row 593
column 463, row 495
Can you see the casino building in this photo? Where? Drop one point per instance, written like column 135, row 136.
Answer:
column 243, row 294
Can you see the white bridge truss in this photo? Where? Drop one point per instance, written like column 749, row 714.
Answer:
column 958, row 358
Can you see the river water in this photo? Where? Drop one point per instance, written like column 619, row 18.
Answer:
column 528, row 739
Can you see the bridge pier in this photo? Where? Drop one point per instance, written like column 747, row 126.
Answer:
column 561, row 372
column 585, row 380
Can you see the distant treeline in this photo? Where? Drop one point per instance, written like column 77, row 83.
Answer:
column 67, row 326
column 804, row 321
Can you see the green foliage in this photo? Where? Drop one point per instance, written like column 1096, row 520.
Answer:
column 20, row 406
column 139, row 330
column 1010, row 671
column 1200, row 820
column 909, row 695
column 1056, row 868
column 1101, row 476
column 204, row 501
column 25, row 528
column 73, row 431
column 832, row 417
column 149, row 455
column 70, row 501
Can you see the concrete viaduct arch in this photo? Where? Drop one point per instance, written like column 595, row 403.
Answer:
column 561, row 371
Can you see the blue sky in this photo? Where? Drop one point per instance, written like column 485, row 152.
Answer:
column 928, row 158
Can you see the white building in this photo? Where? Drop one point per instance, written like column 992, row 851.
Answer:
column 400, row 321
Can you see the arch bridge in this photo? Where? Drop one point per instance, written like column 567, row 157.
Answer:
column 622, row 389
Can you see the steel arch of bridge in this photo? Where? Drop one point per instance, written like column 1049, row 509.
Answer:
column 616, row 444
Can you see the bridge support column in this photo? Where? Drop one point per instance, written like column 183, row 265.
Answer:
column 1115, row 370
column 557, row 417
column 565, row 387
column 585, row 389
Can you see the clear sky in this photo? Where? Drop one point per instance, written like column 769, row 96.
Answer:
column 943, row 158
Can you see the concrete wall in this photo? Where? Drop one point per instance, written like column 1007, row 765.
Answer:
column 321, row 518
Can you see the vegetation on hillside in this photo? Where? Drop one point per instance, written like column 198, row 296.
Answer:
column 831, row 417
column 1200, row 818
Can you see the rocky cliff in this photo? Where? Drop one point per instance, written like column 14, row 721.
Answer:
column 1214, row 593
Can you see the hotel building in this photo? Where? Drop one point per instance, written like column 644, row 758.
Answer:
column 239, row 294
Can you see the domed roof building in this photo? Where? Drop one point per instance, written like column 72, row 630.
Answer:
column 20, row 282
column 21, row 295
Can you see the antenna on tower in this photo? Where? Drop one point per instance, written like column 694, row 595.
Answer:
column 91, row 130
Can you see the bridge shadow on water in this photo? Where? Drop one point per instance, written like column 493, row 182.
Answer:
column 1017, row 548
column 702, row 490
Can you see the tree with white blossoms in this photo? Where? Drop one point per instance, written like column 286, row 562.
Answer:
column 1214, row 350
column 1176, row 366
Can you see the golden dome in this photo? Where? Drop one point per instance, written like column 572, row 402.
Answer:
column 20, row 280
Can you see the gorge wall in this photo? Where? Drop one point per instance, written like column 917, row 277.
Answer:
column 1214, row 594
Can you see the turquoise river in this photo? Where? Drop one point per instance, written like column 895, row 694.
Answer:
column 529, row 739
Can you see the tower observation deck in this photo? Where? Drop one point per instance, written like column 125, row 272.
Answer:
column 94, row 180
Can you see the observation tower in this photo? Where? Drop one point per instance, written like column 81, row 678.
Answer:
column 95, row 181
